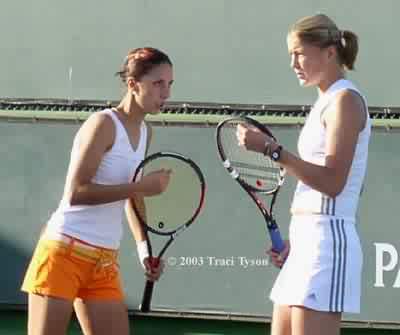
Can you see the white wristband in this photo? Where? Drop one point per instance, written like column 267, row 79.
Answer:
column 143, row 251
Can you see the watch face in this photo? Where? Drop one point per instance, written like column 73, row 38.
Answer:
column 276, row 154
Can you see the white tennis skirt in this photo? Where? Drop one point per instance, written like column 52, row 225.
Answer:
column 323, row 269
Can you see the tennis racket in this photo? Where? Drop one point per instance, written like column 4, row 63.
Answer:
column 174, row 210
column 257, row 174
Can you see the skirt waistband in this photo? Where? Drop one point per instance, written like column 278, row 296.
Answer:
column 80, row 249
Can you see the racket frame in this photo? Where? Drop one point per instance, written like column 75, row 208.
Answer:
column 253, row 192
column 154, row 261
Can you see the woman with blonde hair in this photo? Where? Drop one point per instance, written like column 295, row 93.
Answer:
column 321, row 265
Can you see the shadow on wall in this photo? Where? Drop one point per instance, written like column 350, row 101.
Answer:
column 14, row 263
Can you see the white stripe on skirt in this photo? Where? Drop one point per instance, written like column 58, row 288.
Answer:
column 339, row 251
column 323, row 269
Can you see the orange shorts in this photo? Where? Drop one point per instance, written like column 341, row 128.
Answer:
column 70, row 268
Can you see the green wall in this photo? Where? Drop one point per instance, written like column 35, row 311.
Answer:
column 230, row 229
column 223, row 50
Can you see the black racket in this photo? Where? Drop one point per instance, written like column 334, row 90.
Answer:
column 171, row 212
column 255, row 172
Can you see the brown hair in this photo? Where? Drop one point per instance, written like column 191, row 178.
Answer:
column 141, row 61
column 319, row 30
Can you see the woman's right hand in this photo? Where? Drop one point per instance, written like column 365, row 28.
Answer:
column 252, row 138
column 278, row 259
column 154, row 183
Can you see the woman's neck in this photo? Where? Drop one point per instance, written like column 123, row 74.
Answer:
column 324, row 85
column 130, row 110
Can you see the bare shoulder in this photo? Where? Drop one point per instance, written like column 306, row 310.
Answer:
column 349, row 109
column 99, row 126
column 350, row 99
column 98, row 119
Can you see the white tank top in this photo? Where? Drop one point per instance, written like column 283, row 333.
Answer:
column 101, row 225
column 311, row 147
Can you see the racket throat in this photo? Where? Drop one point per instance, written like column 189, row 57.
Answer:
column 272, row 225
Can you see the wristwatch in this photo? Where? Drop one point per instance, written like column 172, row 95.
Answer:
column 276, row 153
column 267, row 148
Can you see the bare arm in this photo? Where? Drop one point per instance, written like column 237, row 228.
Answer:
column 133, row 221
column 96, row 137
column 152, row 271
column 343, row 125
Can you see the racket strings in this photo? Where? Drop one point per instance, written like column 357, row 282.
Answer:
column 258, row 179
column 253, row 168
column 246, row 165
column 168, row 211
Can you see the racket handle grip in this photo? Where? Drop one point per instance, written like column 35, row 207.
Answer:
column 148, row 293
column 148, row 290
column 277, row 243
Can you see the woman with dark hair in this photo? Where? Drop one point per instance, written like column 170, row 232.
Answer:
column 75, row 263
column 321, row 265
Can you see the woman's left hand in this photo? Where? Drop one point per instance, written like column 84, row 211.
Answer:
column 252, row 138
column 153, row 270
column 278, row 259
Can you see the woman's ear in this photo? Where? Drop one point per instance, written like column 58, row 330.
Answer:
column 331, row 52
column 132, row 85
